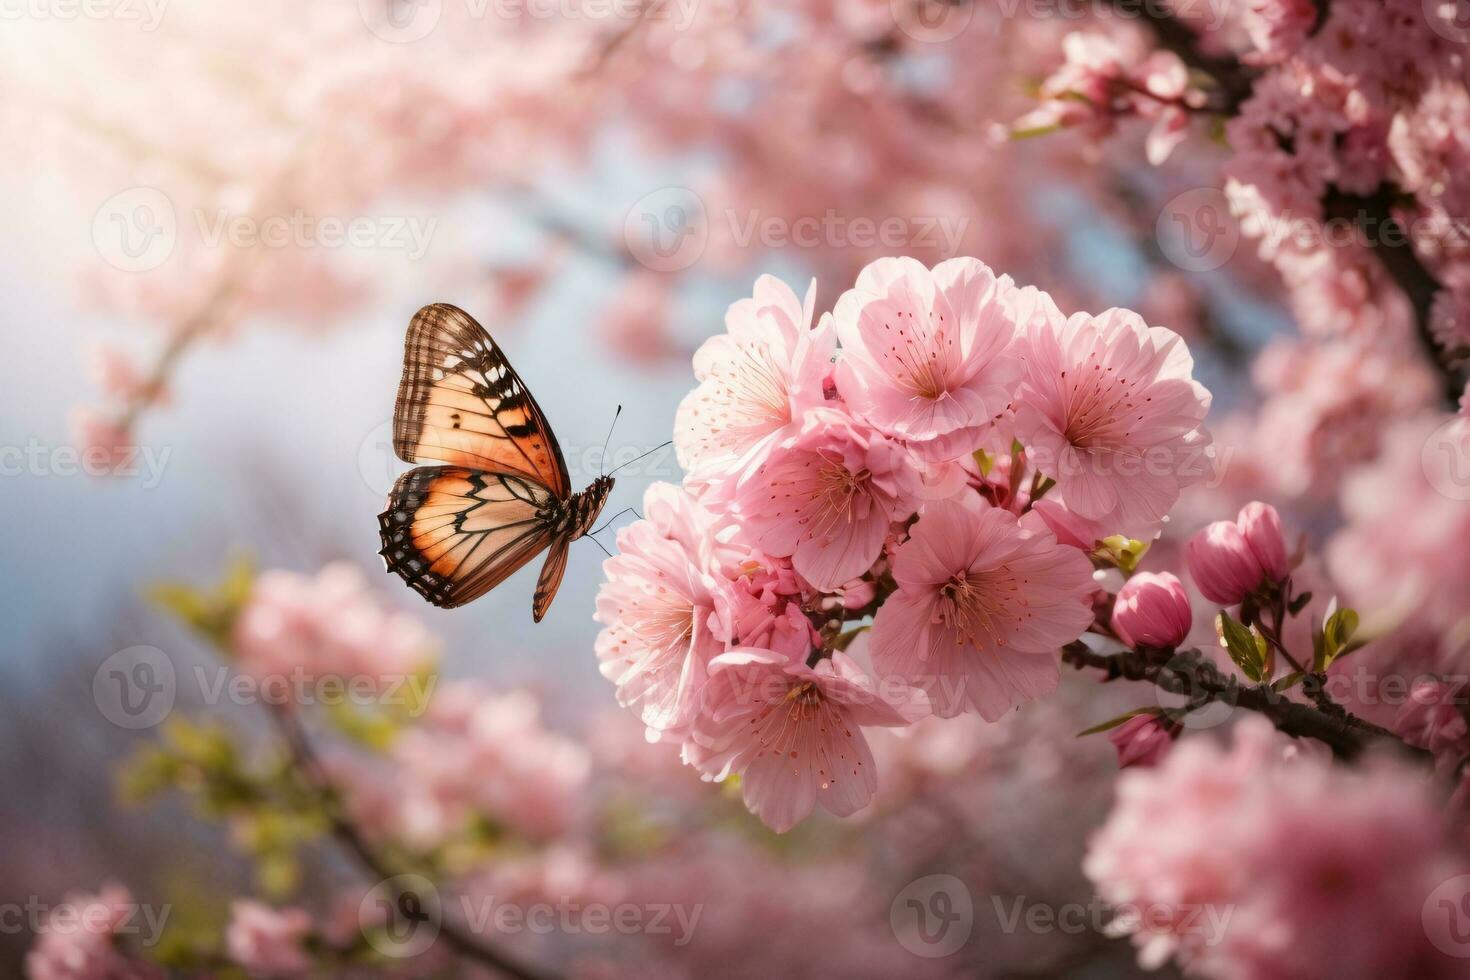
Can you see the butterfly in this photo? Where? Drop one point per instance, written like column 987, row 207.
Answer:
column 456, row 531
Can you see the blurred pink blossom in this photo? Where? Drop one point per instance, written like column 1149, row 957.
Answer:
column 268, row 942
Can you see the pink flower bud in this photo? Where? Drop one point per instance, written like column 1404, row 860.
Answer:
column 1222, row 563
column 1152, row 609
column 1142, row 740
column 1261, row 526
column 1431, row 719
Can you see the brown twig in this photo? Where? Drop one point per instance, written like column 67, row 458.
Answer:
column 1190, row 675
column 461, row 938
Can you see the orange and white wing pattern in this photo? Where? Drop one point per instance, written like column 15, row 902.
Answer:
column 461, row 403
column 454, row 534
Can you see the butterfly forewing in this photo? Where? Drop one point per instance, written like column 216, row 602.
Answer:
column 460, row 402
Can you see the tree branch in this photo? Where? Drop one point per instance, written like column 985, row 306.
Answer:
column 462, row 939
column 1232, row 79
column 1190, row 675
column 1390, row 242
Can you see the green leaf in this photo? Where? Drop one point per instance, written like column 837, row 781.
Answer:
column 1288, row 682
column 1337, row 633
column 1034, row 131
column 1115, row 722
column 1123, row 552
column 211, row 614
column 984, row 462
column 1245, row 647
column 844, row 640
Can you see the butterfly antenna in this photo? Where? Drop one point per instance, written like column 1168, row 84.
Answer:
column 599, row 544
column 608, row 523
column 636, row 458
column 608, row 441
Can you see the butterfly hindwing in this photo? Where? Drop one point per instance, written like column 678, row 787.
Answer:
column 461, row 403
column 550, row 579
column 454, row 533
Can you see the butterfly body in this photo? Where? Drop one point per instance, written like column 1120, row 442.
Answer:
column 455, row 531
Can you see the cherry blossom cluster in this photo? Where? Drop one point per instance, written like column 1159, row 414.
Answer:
column 1221, row 859
column 935, row 459
column 500, row 807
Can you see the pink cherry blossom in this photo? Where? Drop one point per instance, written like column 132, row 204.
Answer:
column 754, row 381
column 1143, row 740
column 103, row 442
column 296, row 629
column 267, row 941
column 662, row 607
column 794, row 733
column 1222, row 859
column 1110, row 411
column 1433, row 719
column 827, row 499
column 984, row 603
column 79, row 941
column 1152, row 609
column 926, row 354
